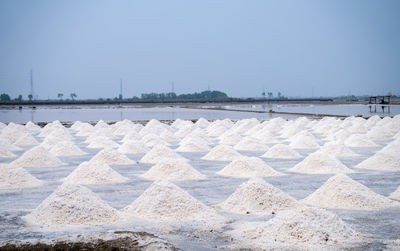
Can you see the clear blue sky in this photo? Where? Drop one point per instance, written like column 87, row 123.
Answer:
column 239, row 47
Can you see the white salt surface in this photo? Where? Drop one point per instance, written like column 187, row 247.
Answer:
column 248, row 167
column 4, row 153
column 382, row 160
column 222, row 153
column 281, row 151
column 258, row 197
column 95, row 172
column 66, row 148
column 26, row 140
column 359, row 140
column 303, row 142
column 337, row 149
column 37, row 157
column 173, row 169
column 158, row 153
column 16, row 177
column 192, row 146
column 396, row 194
column 250, row 144
column 164, row 202
column 321, row 163
column 102, row 142
column 301, row 229
column 73, row 204
column 133, row 147
column 112, row 157
column 340, row 191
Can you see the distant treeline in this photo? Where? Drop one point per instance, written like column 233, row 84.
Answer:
column 204, row 95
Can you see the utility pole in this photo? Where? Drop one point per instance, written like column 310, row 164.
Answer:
column 120, row 89
column 31, row 83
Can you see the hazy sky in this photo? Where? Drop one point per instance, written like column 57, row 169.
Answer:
column 239, row 47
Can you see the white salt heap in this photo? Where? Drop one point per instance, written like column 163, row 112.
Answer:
column 32, row 127
column 195, row 139
column 258, row 197
column 250, row 144
column 4, row 153
column 320, row 163
column 337, row 149
column 73, row 204
column 384, row 160
column 37, row 157
column 16, row 177
column 281, row 151
column 222, row 153
column 230, row 138
column 248, row 167
column 133, row 147
column 158, row 153
column 396, row 194
column 164, row 202
column 173, row 169
column 66, row 148
column 112, row 157
column 301, row 229
column 202, row 123
column 342, row 192
column 340, row 135
column 193, row 147
column 95, row 172
column 303, row 142
column 101, row 142
column 26, row 140
column 359, row 140
column 132, row 136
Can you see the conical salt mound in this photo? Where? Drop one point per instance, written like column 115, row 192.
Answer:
column 281, row 151
column 202, row 123
column 16, row 177
column 166, row 202
column 193, row 147
column 304, row 142
column 26, row 140
column 173, row 169
column 382, row 160
column 112, row 157
column 337, row 149
column 73, row 204
column 320, row 163
column 258, row 197
column 248, row 167
column 37, row 157
column 102, row 142
column 250, row 144
column 32, row 127
column 222, row 153
column 396, row 194
column 342, row 192
column 304, row 228
column 66, row 148
column 359, row 140
column 4, row 153
column 133, row 147
column 94, row 172
column 158, row 153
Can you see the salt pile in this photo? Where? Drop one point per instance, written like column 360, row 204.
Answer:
column 303, row 142
column 26, row 140
column 73, row 204
column 340, row 135
column 133, row 147
column 248, row 167
column 378, row 133
column 166, row 202
column 173, row 169
column 265, row 137
column 66, row 148
column 250, row 144
column 37, row 157
column 229, row 138
column 158, row 153
column 193, row 146
column 169, row 136
column 85, row 129
column 195, row 139
column 359, row 140
column 382, row 160
column 7, row 145
column 222, row 153
column 101, row 142
column 320, row 163
column 258, row 197
column 281, row 151
column 112, row 157
column 95, row 172
column 132, row 136
column 4, row 153
column 12, row 132
column 396, row 194
column 301, row 229
column 202, row 123
column 342, row 192
column 16, row 177
column 151, row 140
column 337, row 149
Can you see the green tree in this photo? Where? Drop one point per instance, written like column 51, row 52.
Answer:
column 73, row 96
column 19, row 98
column 60, row 96
column 5, row 97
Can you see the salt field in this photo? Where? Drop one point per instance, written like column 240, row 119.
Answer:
column 282, row 183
